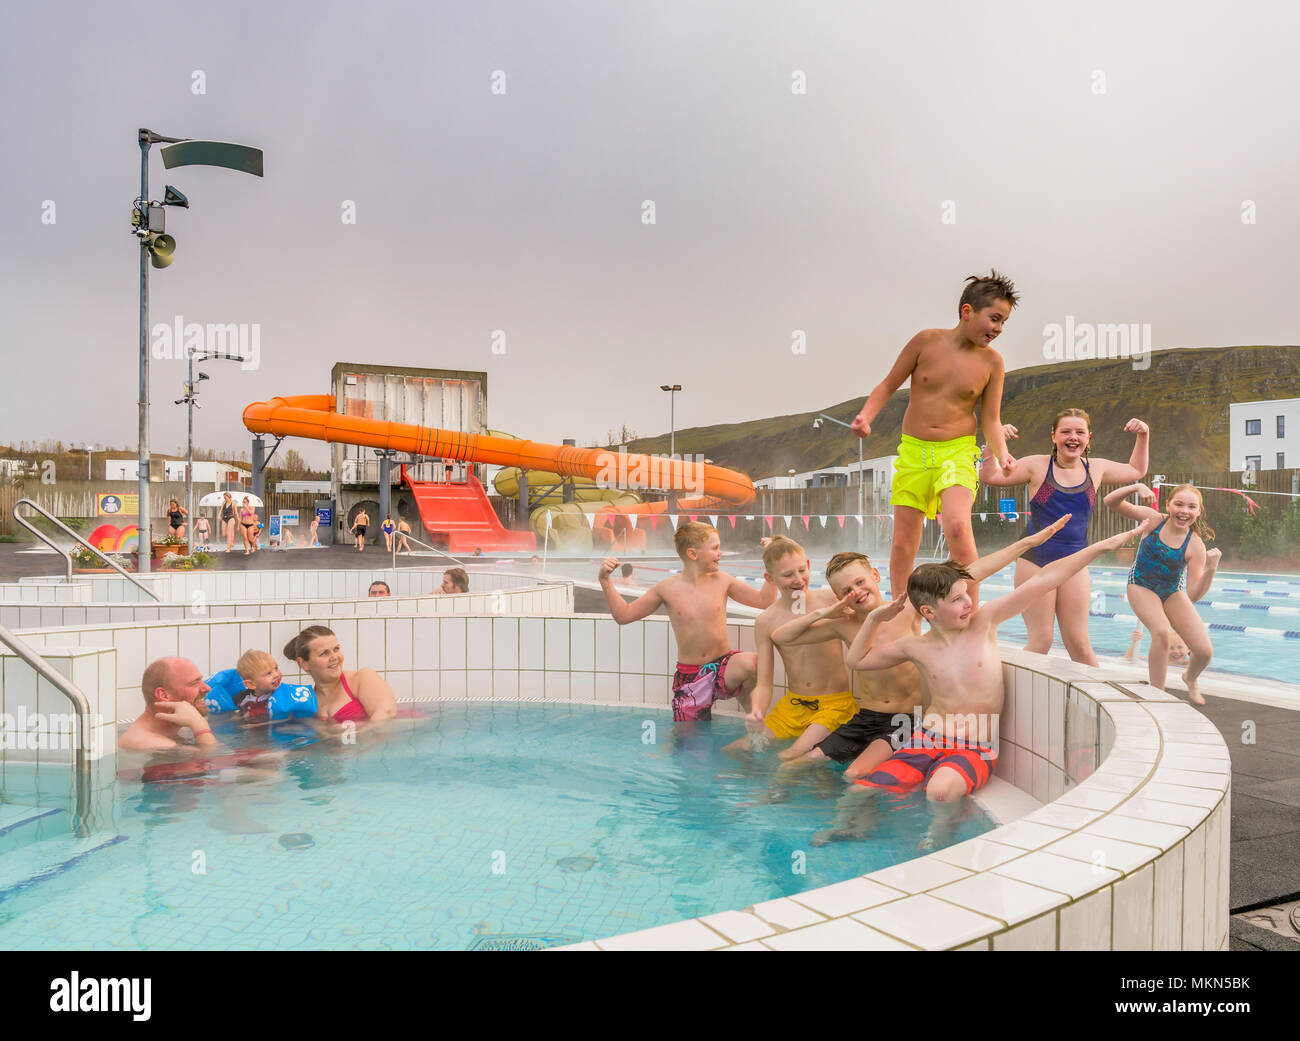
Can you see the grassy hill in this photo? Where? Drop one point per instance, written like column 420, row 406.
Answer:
column 1184, row 395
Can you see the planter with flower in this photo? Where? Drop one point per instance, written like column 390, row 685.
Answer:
column 84, row 562
column 199, row 560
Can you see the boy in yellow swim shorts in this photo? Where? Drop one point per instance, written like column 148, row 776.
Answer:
column 951, row 370
column 819, row 697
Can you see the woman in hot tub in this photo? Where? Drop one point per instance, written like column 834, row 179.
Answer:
column 355, row 697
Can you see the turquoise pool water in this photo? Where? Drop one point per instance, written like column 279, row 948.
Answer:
column 488, row 826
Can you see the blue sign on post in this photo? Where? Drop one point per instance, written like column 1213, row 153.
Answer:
column 324, row 516
column 1007, row 507
column 274, row 530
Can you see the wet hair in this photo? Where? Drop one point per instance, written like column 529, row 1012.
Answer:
column 380, row 582
column 1072, row 413
column 780, row 546
column 930, row 583
column 692, row 535
column 842, row 560
column 298, row 648
column 1200, row 525
column 252, row 664
column 627, row 570
column 459, row 578
column 983, row 290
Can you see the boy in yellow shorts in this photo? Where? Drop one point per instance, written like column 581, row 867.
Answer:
column 937, row 470
column 819, row 698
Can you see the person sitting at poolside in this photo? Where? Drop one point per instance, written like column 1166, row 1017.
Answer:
column 379, row 588
column 173, row 691
column 366, row 698
column 454, row 580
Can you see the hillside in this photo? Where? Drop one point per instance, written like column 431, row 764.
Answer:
column 1184, row 395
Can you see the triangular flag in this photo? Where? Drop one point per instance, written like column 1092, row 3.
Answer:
column 732, row 517
column 858, row 517
column 549, row 522
column 631, row 519
column 806, row 525
column 822, row 518
column 984, row 516
column 769, row 521
column 591, row 521
column 672, row 519
column 713, row 519
column 787, row 519
column 693, row 517
column 840, row 518
column 654, row 522
column 749, row 516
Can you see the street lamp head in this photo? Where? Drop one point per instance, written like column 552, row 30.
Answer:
column 174, row 197
column 817, row 424
column 204, row 376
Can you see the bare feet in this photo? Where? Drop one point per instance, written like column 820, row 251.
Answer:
column 1193, row 693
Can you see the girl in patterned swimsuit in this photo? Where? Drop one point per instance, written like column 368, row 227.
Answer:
column 1173, row 554
column 1065, row 482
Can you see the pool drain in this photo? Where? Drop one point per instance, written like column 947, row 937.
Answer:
column 297, row 840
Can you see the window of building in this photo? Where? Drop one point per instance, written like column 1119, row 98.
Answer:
column 1252, row 426
column 1253, row 463
column 1280, row 457
column 1281, row 426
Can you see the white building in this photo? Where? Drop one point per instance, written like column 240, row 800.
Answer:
column 877, row 474
column 205, row 471
column 1264, row 435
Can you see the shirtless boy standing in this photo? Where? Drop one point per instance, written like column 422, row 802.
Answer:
column 886, row 698
column 951, row 370
column 955, row 751
column 818, row 698
column 696, row 601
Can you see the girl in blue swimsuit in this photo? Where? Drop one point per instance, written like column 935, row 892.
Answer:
column 1169, row 558
column 1065, row 482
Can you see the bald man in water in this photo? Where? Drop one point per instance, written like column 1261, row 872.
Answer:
column 173, row 700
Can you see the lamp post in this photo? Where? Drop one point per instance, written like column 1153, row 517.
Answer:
column 190, row 400
column 672, row 415
column 90, row 450
column 157, row 247
column 817, row 425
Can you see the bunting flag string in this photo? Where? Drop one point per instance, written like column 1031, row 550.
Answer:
column 631, row 519
column 823, row 519
column 840, row 518
column 806, row 526
column 672, row 519
column 768, row 518
column 732, row 517
column 713, row 519
column 591, row 520
column 654, row 522
column 787, row 518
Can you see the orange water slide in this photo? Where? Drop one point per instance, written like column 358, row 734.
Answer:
column 313, row 416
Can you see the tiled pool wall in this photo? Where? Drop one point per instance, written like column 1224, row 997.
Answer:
column 250, row 586
column 533, row 598
column 1130, row 854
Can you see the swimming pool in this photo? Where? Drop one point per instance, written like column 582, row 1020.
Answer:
column 507, row 825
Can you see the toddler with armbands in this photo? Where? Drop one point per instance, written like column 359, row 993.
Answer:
column 255, row 688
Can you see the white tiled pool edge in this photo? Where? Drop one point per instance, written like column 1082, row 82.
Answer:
column 1132, row 856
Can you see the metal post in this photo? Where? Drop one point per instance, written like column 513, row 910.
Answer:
column 259, row 469
column 385, row 487
column 146, row 539
column 189, row 458
column 672, row 422
column 523, row 500
column 862, row 520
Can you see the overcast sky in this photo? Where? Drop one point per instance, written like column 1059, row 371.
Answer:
column 1099, row 153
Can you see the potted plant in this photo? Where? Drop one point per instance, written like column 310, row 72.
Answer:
column 84, row 562
column 168, row 545
column 199, row 560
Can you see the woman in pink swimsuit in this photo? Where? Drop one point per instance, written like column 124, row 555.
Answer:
column 364, row 696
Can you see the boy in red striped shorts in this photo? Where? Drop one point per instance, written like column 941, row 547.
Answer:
column 955, row 750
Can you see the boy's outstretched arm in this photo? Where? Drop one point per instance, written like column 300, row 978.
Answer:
column 886, row 657
column 991, row 415
column 885, row 389
column 811, row 626
column 760, row 700
column 746, row 594
column 992, row 563
column 1133, row 511
column 624, row 613
column 1055, row 573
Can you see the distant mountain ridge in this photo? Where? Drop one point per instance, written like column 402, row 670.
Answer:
column 1184, row 395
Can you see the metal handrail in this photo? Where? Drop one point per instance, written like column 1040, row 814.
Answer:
column 67, row 555
column 411, row 538
column 81, row 765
